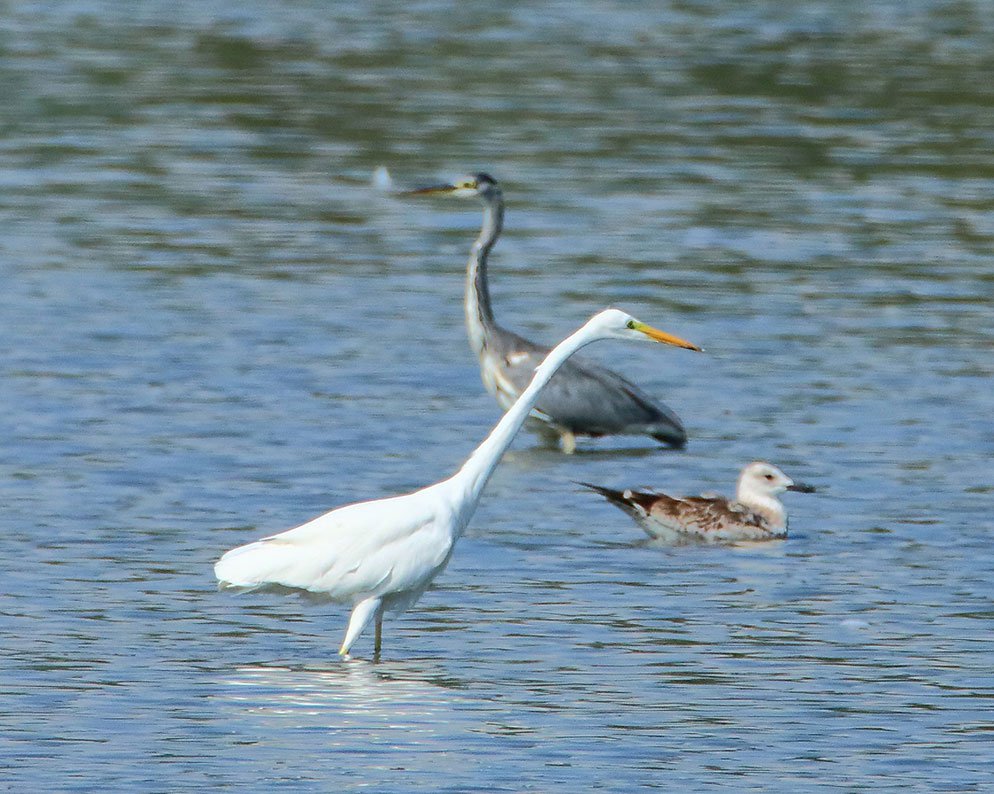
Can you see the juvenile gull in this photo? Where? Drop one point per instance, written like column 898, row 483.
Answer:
column 754, row 514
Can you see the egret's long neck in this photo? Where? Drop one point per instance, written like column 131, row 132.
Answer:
column 476, row 471
column 479, row 314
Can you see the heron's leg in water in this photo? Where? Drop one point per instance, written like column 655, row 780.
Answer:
column 567, row 441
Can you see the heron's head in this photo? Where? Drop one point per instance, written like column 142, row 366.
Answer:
column 476, row 185
column 765, row 479
column 616, row 324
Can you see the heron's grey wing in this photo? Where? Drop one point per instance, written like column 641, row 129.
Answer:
column 586, row 398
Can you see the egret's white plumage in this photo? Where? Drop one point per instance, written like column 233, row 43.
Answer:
column 755, row 514
column 382, row 554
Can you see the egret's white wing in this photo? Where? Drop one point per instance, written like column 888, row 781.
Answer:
column 355, row 549
column 405, row 564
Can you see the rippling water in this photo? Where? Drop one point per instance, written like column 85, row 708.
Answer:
column 213, row 329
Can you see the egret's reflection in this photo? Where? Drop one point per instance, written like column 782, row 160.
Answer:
column 393, row 692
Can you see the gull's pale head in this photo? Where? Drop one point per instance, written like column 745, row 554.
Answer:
column 764, row 479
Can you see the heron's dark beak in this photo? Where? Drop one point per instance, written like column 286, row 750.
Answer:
column 801, row 487
column 425, row 191
column 661, row 336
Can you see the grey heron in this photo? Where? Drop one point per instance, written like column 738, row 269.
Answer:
column 382, row 554
column 754, row 514
column 583, row 399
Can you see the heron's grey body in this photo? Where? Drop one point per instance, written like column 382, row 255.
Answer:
column 582, row 399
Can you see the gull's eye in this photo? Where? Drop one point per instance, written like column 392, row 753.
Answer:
column 768, row 476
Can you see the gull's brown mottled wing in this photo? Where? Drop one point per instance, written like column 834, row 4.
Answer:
column 707, row 517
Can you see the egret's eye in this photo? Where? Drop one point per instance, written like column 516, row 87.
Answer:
column 630, row 324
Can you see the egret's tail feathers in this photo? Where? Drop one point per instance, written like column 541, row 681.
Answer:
column 265, row 562
column 238, row 588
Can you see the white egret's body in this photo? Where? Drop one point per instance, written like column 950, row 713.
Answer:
column 755, row 514
column 382, row 554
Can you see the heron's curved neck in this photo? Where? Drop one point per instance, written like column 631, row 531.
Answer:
column 475, row 472
column 479, row 313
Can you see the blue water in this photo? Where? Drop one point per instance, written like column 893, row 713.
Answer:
column 214, row 329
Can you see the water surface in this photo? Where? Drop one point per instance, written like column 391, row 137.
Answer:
column 214, row 329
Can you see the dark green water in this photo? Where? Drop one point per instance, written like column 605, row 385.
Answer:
column 213, row 329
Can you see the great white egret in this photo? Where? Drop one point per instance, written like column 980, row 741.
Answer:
column 583, row 399
column 382, row 554
column 754, row 514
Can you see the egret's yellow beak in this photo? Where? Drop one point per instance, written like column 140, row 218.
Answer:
column 661, row 336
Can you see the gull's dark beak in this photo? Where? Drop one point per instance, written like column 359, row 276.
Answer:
column 801, row 487
column 426, row 191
